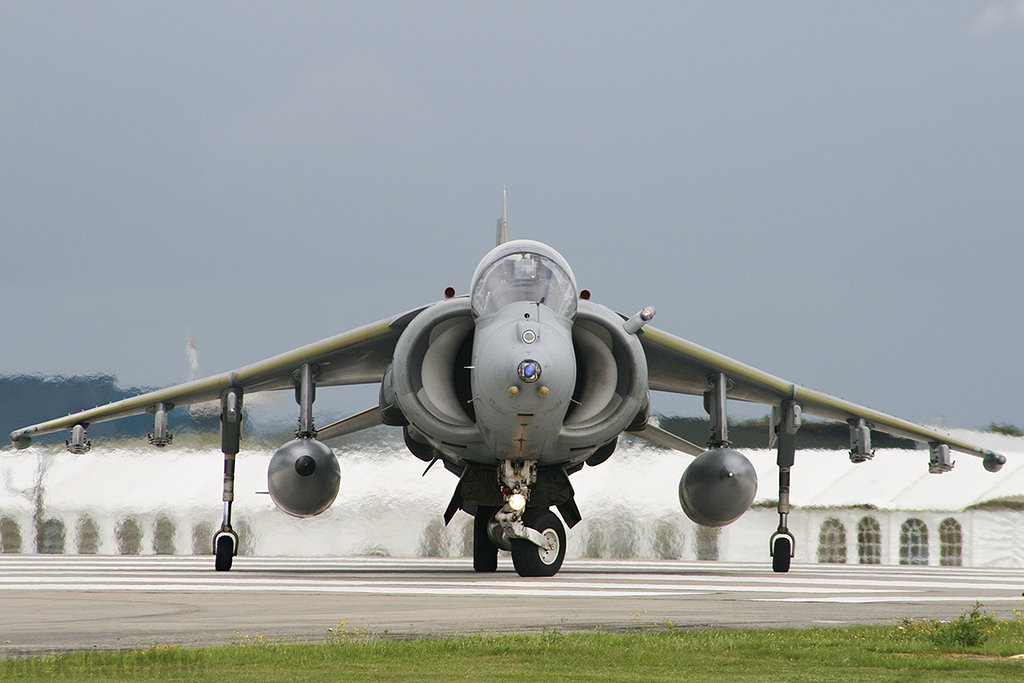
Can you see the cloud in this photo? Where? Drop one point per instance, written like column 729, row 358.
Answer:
column 1000, row 15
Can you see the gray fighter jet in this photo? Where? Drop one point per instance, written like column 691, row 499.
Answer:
column 514, row 388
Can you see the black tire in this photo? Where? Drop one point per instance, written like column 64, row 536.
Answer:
column 781, row 554
column 529, row 559
column 485, row 553
column 225, row 553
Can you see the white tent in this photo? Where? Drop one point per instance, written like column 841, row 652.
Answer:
column 147, row 501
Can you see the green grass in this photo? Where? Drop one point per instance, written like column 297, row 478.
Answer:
column 975, row 647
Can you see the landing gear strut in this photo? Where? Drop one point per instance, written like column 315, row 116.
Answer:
column 225, row 541
column 782, row 543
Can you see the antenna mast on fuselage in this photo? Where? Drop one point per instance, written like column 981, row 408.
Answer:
column 503, row 221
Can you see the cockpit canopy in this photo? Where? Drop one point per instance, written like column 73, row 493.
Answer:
column 523, row 270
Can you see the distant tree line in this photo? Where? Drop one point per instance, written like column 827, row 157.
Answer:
column 1004, row 428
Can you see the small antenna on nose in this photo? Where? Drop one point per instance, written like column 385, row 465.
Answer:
column 503, row 221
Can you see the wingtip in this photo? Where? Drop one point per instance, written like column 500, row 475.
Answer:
column 993, row 462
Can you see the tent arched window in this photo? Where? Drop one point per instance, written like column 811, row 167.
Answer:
column 88, row 535
column 50, row 537
column 129, row 537
column 914, row 542
column 951, row 543
column 163, row 536
column 832, row 542
column 869, row 541
column 10, row 536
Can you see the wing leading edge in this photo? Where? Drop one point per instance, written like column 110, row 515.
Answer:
column 680, row 366
column 359, row 356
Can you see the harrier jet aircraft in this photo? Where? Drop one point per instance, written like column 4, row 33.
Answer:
column 515, row 387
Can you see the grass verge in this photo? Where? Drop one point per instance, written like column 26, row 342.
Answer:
column 975, row 647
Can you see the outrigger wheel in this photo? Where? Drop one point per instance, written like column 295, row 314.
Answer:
column 782, row 553
column 532, row 560
column 224, row 549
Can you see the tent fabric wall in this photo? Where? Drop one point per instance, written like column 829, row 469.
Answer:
column 629, row 504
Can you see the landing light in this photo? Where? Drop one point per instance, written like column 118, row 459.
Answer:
column 517, row 502
column 529, row 371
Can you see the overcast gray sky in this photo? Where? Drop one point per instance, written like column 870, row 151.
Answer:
column 833, row 193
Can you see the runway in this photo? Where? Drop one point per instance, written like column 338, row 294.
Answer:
column 61, row 602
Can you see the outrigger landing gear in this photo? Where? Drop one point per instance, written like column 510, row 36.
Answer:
column 225, row 541
column 782, row 543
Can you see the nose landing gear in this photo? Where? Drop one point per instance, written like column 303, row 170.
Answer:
column 534, row 535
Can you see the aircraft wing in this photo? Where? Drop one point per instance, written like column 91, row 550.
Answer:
column 360, row 356
column 679, row 366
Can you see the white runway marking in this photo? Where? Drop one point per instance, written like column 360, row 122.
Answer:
column 452, row 577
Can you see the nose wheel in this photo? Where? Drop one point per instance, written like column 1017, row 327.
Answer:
column 530, row 559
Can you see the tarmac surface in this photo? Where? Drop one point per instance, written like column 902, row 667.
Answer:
column 64, row 603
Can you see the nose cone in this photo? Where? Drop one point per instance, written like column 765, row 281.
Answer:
column 524, row 375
